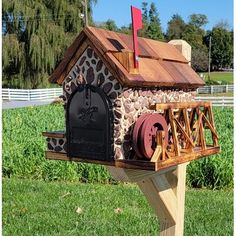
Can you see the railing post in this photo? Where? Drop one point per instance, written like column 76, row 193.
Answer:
column 226, row 88
column 9, row 94
column 212, row 89
column 28, row 95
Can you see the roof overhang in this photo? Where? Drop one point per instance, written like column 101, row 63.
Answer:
column 160, row 64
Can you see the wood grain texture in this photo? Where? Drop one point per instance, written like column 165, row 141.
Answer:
column 177, row 182
column 211, row 120
column 160, row 64
column 127, row 61
column 179, row 105
column 83, row 46
column 187, row 125
column 165, row 192
column 174, row 133
column 135, row 175
column 54, row 134
column 187, row 139
column 160, row 196
column 141, row 165
column 57, row 73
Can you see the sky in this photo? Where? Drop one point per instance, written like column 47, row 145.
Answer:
column 119, row 10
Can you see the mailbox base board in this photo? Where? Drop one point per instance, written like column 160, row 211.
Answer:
column 140, row 164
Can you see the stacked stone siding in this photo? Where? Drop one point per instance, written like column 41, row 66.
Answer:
column 57, row 144
column 127, row 103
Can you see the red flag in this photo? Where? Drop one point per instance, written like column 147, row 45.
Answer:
column 137, row 24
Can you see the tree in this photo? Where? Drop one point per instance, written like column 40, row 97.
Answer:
column 35, row 36
column 154, row 28
column 222, row 47
column 198, row 20
column 193, row 32
column 126, row 29
column 175, row 28
column 144, row 12
column 200, row 59
column 145, row 20
column 109, row 25
column 193, row 35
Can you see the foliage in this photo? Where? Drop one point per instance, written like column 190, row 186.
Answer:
column 144, row 18
column 200, row 59
column 175, row 28
column 220, row 78
column 216, row 171
column 212, row 82
column 35, row 36
column 151, row 22
column 198, row 20
column 222, row 47
column 193, row 35
column 109, row 25
column 154, row 28
column 24, row 150
column 42, row 208
column 24, row 147
column 126, row 30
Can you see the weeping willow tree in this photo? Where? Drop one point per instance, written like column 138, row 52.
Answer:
column 35, row 35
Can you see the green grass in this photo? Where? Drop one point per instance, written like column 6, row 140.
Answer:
column 223, row 77
column 33, row 207
column 24, row 147
column 216, row 171
column 24, row 150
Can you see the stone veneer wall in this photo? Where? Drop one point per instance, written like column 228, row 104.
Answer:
column 128, row 103
column 57, row 144
column 134, row 102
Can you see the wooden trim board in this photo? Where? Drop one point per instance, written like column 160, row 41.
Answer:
column 54, row 134
column 140, row 164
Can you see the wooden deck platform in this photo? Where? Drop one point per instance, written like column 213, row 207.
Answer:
column 140, row 164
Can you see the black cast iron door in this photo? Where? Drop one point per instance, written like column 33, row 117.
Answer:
column 89, row 124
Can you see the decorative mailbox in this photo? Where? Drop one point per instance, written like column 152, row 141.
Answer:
column 115, row 112
column 142, row 122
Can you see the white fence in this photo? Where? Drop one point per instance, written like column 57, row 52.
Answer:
column 31, row 94
column 216, row 89
column 51, row 94
column 218, row 101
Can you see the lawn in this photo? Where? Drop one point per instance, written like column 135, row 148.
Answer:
column 33, row 207
column 24, row 150
column 224, row 77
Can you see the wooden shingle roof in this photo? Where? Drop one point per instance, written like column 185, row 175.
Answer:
column 160, row 64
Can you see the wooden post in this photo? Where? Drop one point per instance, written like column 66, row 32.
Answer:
column 165, row 192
